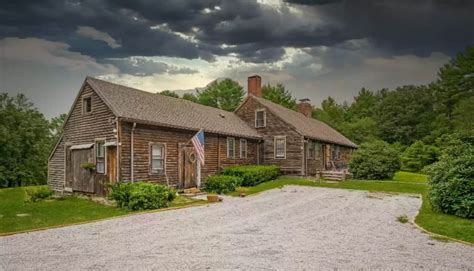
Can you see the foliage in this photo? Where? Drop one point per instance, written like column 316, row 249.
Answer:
column 402, row 219
column 452, row 180
column 360, row 130
column 376, row 160
column 330, row 113
column 222, row 184
column 279, row 95
column 88, row 165
column 37, row 193
column 169, row 93
column 24, row 142
column 141, row 195
column 190, row 97
column 418, row 155
column 253, row 174
column 463, row 117
column 226, row 94
column 56, row 128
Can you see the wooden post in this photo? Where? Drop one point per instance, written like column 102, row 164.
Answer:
column 198, row 177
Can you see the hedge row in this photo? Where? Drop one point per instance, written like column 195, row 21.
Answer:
column 233, row 177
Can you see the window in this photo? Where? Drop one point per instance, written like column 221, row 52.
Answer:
column 230, row 147
column 243, row 148
column 310, row 154
column 336, row 152
column 317, row 150
column 260, row 118
column 157, row 158
column 100, row 157
column 87, row 105
column 280, row 146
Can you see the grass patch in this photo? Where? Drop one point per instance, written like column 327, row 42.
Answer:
column 16, row 214
column 403, row 182
column 402, row 219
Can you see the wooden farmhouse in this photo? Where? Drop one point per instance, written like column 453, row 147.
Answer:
column 114, row 133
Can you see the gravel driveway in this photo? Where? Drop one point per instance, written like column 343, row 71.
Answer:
column 290, row 228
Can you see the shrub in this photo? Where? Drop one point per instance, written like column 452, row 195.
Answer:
column 376, row 160
column 417, row 156
column 222, row 184
column 37, row 193
column 142, row 196
column 254, row 174
column 451, row 180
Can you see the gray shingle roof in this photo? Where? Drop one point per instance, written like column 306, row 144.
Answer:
column 141, row 106
column 308, row 127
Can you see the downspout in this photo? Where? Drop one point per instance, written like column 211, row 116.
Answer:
column 117, row 132
column 131, row 152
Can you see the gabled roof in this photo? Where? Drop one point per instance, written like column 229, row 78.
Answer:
column 145, row 107
column 307, row 127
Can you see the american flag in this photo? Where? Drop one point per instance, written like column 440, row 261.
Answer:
column 198, row 142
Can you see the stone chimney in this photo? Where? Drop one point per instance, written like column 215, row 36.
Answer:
column 305, row 108
column 254, row 86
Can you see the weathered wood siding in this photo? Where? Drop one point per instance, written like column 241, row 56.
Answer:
column 293, row 163
column 315, row 163
column 215, row 152
column 80, row 129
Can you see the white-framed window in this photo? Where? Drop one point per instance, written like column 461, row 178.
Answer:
column 157, row 158
column 230, row 147
column 87, row 105
column 280, row 146
column 243, row 148
column 260, row 118
column 100, row 157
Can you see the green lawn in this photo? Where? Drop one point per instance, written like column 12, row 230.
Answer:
column 17, row 215
column 403, row 182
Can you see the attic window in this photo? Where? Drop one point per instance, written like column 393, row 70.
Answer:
column 87, row 105
column 260, row 118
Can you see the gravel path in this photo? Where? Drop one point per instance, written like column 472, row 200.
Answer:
column 290, row 228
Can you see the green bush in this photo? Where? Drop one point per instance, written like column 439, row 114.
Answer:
column 222, row 184
column 37, row 193
column 418, row 155
column 451, row 180
column 254, row 174
column 142, row 196
column 376, row 160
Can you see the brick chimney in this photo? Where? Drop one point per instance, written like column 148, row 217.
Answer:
column 305, row 108
column 254, row 85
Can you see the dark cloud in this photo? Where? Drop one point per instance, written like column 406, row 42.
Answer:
column 254, row 32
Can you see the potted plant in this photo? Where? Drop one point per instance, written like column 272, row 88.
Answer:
column 88, row 166
column 213, row 197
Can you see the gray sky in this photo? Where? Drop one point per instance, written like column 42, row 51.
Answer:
column 315, row 48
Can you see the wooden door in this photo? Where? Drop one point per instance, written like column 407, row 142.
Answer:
column 82, row 179
column 112, row 164
column 188, row 166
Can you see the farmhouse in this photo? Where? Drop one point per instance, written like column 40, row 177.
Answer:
column 115, row 133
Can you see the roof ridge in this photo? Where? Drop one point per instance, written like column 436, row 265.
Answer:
column 164, row 96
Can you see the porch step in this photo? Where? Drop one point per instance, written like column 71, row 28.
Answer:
column 335, row 175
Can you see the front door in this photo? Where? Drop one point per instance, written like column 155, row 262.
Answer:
column 188, row 172
column 82, row 179
column 112, row 164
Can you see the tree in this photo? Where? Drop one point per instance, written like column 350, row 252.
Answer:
column 279, row 95
column 330, row 113
column 169, row 93
column 364, row 105
column 463, row 117
column 456, row 83
column 190, row 97
column 24, row 142
column 405, row 114
column 376, row 160
column 418, row 155
column 226, row 94
column 56, row 128
column 360, row 130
